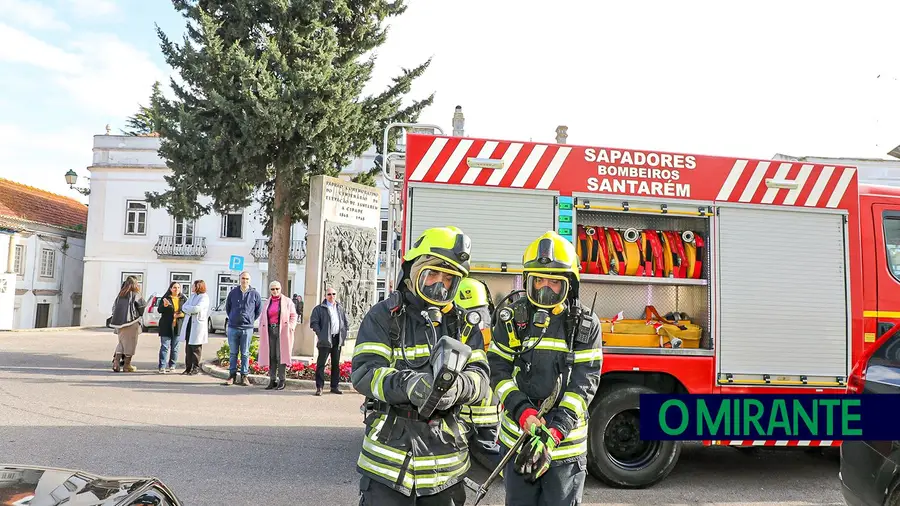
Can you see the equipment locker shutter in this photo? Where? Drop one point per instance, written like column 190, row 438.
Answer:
column 501, row 224
column 782, row 292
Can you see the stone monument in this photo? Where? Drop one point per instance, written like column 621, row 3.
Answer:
column 341, row 252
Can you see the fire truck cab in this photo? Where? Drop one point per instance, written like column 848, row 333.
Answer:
column 711, row 274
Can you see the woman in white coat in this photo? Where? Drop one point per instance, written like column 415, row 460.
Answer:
column 195, row 330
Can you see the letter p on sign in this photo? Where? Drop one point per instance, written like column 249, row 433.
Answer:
column 236, row 263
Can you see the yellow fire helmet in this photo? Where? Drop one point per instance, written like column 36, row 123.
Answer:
column 437, row 263
column 447, row 243
column 551, row 266
column 471, row 293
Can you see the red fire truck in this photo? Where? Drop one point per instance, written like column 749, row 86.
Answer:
column 712, row 274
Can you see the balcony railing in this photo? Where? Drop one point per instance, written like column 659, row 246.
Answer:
column 170, row 246
column 296, row 251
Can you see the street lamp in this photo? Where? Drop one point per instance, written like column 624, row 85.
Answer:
column 72, row 178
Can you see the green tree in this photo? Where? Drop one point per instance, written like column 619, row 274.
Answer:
column 146, row 120
column 271, row 96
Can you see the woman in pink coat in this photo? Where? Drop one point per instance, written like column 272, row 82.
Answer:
column 276, row 334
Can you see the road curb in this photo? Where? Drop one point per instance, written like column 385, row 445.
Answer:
column 56, row 329
column 215, row 371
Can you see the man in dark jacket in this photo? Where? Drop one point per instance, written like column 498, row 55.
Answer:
column 408, row 458
column 329, row 321
column 243, row 307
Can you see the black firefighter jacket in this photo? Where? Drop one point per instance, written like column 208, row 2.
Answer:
column 525, row 381
column 402, row 452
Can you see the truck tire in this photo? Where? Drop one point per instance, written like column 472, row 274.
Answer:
column 616, row 455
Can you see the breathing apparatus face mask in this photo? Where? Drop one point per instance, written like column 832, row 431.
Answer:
column 437, row 285
column 547, row 291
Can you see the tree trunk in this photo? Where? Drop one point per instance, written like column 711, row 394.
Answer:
column 281, row 238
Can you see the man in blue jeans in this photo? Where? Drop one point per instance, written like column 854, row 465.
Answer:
column 243, row 307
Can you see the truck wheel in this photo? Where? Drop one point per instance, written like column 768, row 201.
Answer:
column 616, row 455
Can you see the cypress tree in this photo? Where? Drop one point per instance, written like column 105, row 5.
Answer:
column 269, row 95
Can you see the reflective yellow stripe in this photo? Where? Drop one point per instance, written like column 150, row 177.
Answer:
column 504, row 388
column 383, row 451
column 884, row 314
column 378, row 378
column 477, row 356
column 420, row 351
column 547, row 343
column 870, row 337
column 374, row 348
column 589, row 356
column 575, row 403
column 496, row 348
column 476, row 380
column 383, row 470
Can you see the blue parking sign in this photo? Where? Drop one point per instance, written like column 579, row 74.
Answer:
column 236, row 263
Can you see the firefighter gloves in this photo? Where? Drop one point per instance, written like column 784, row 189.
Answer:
column 418, row 387
column 534, row 459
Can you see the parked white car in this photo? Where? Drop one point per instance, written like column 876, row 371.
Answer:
column 150, row 318
column 218, row 318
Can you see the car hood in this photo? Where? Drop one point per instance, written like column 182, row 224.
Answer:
column 22, row 485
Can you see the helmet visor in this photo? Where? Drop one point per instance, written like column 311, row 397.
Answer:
column 437, row 285
column 546, row 290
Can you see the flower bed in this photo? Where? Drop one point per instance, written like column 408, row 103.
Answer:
column 297, row 370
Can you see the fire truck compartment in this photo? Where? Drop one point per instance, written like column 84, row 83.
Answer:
column 500, row 222
column 782, row 288
column 674, row 295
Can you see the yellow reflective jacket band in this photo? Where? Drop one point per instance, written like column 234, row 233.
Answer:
column 590, row 355
column 379, row 349
column 547, row 343
column 575, row 403
column 413, row 352
column 498, row 350
column 477, row 356
column 504, row 388
column 378, row 378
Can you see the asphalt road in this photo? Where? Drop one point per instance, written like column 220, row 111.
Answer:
column 61, row 405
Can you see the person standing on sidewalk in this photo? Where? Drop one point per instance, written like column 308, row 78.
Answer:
column 170, row 319
column 195, row 331
column 329, row 321
column 276, row 335
column 243, row 306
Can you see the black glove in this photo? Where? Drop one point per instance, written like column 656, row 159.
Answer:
column 533, row 459
column 418, row 387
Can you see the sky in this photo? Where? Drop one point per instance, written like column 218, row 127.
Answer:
column 747, row 79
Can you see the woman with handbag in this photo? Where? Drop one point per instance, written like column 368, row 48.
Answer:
column 170, row 319
column 195, row 329
column 126, row 319
column 276, row 335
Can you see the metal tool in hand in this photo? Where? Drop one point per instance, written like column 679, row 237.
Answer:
column 481, row 490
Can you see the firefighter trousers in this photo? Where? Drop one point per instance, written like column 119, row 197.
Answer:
column 559, row 486
column 373, row 493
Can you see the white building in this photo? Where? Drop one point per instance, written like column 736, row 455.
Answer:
column 870, row 170
column 41, row 257
column 128, row 237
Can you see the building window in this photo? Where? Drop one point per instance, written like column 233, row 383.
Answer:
column 48, row 262
column 19, row 260
column 225, row 283
column 184, row 232
column 384, row 236
column 138, row 275
column 184, row 278
column 135, row 218
column 381, row 290
column 232, row 225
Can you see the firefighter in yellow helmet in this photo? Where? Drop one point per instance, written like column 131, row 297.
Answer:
column 545, row 337
column 406, row 455
column 483, row 418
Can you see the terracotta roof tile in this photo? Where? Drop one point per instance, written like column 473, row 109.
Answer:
column 25, row 202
